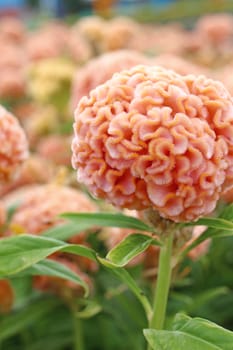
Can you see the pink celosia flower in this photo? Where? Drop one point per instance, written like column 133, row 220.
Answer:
column 100, row 69
column 159, row 39
column 31, row 172
column 39, row 207
column 12, row 83
column 79, row 48
column 13, row 145
column 56, row 148
column 12, row 29
column 91, row 28
column 41, row 46
column 152, row 138
column 118, row 34
column 216, row 28
column 12, row 56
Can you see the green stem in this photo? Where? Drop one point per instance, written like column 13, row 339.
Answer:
column 78, row 333
column 163, row 285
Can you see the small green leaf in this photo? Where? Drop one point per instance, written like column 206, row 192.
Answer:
column 63, row 232
column 129, row 248
column 206, row 330
column 192, row 334
column 88, row 220
column 216, row 227
column 20, row 252
column 91, row 309
column 176, row 340
column 129, row 281
column 53, row 268
column 217, row 223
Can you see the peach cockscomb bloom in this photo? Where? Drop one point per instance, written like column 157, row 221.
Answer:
column 14, row 147
column 41, row 204
column 38, row 210
column 149, row 137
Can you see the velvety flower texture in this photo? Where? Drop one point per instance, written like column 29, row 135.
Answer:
column 14, row 148
column 152, row 138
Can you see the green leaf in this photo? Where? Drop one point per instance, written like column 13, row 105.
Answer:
column 53, row 268
column 192, row 334
column 217, row 223
column 20, row 252
column 129, row 248
column 129, row 281
column 88, row 220
column 15, row 322
column 217, row 227
column 176, row 340
column 63, row 232
column 91, row 308
column 206, row 330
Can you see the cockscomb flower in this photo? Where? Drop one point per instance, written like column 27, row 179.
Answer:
column 216, row 28
column 151, row 138
column 39, row 209
column 100, row 69
column 118, row 34
column 92, row 28
column 14, row 148
column 12, row 83
column 40, row 206
column 78, row 47
column 32, row 171
column 12, row 30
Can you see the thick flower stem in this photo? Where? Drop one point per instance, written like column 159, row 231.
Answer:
column 78, row 333
column 163, row 285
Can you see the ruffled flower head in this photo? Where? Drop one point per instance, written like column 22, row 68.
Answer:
column 14, row 147
column 151, row 138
